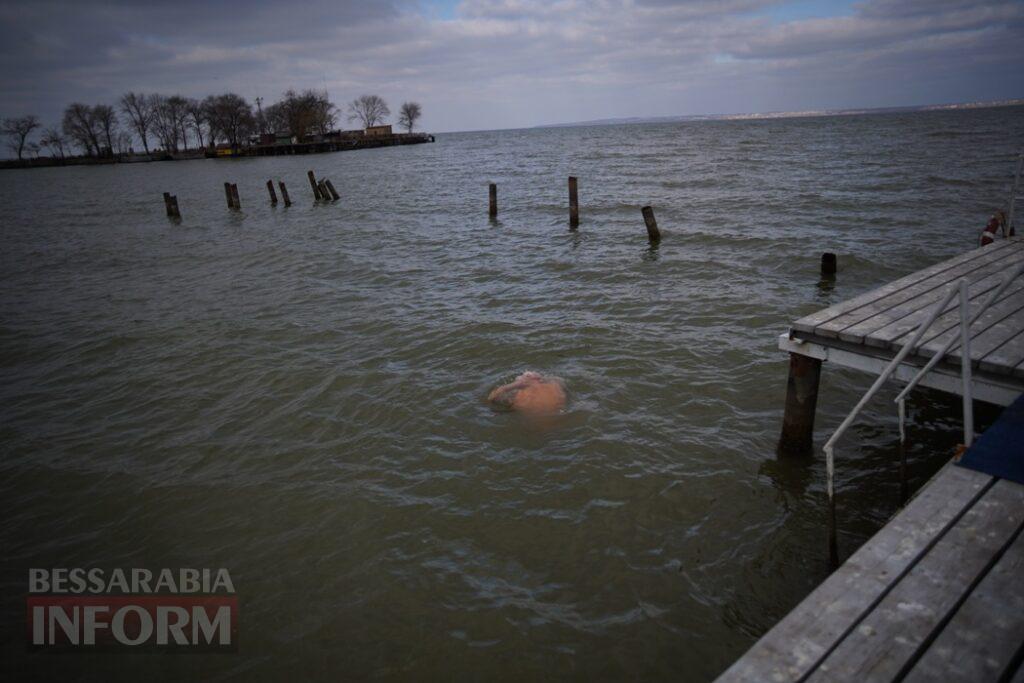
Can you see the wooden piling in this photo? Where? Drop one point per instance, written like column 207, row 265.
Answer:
column 492, row 207
column 323, row 190
column 273, row 195
column 801, row 403
column 828, row 264
column 653, row 234
column 167, row 204
column 284, row 193
column 227, row 193
column 312, row 184
column 574, row 205
column 176, row 212
column 234, row 196
column 330, row 188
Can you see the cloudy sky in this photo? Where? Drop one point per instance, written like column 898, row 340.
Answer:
column 479, row 64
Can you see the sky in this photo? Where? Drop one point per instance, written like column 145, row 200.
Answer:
column 488, row 64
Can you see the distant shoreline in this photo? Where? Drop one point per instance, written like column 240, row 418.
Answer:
column 788, row 114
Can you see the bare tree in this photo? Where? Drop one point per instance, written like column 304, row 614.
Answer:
column 231, row 116
column 106, row 120
column 299, row 114
column 80, row 125
column 170, row 121
column 17, row 130
column 197, row 119
column 409, row 114
column 139, row 110
column 54, row 141
column 369, row 109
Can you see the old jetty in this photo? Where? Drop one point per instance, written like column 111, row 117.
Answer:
column 274, row 144
column 936, row 593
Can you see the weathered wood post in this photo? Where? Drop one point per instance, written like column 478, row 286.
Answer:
column 828, row 264
column 273, row 195
column 176, row 212
column 167, row 204
column 653, row 234
column 330, row 188
column 492, row 204
column 312, row 183
column 574, row 205
column 284, row 193
column 323, row 190
column 801, row 403
column 227, row 193
column 234, row 196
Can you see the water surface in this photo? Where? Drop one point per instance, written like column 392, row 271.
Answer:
column 297, row 394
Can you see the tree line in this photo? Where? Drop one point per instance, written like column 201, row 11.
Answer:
column 174, row 122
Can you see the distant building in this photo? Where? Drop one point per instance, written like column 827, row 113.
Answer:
column 373, row 131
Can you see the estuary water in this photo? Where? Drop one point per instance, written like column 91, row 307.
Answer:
column 297, row 394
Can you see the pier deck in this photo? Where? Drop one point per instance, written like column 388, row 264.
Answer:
column 936, row 595
column 866, row 332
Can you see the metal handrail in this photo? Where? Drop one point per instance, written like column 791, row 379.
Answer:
column 966, row 320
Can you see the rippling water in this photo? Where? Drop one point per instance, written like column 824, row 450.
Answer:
column 297, row 394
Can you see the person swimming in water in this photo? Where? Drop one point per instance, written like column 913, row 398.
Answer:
column 531, row 393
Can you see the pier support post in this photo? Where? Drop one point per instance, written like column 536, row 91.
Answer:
column 492, row 206
column 227, row 194
column 574, row 205
column 828, row 264
column 797, row 438
column 273, row 195
column 330, row 188
column 175, row 211
column 653, row 234
column 312, row 183
column 167, row 204
column 284, row 193
column 234, row 196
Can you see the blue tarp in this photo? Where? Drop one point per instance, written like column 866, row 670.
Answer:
column 1000, row 450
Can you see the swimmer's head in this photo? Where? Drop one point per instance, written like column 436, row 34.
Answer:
column 531, row 393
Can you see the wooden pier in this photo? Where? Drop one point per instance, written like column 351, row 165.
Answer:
column 866, row 332
column 937, row 594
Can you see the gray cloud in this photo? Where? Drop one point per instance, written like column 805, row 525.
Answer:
column 501, row 63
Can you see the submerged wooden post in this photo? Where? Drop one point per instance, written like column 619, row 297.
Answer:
column 574, row 205
column 801, row 403
column 323, row 190
column 234, row 196
column 330, row 188
column 828, row 263
column 174, row 207
column 227, row 193
column 312, row 183
column 492, row 205
column 284, row 193
column 653, row 234
column 273, row 195
column 167, row 204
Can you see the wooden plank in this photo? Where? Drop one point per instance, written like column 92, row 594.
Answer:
column 947, row 326
column 882, row 329
column 812, row 321
column 1007, row 357
column 979, row 643
column 900, row 308
column 888, row 639
column 795, row 645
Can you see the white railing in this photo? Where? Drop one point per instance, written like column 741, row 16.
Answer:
column 966, row 320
